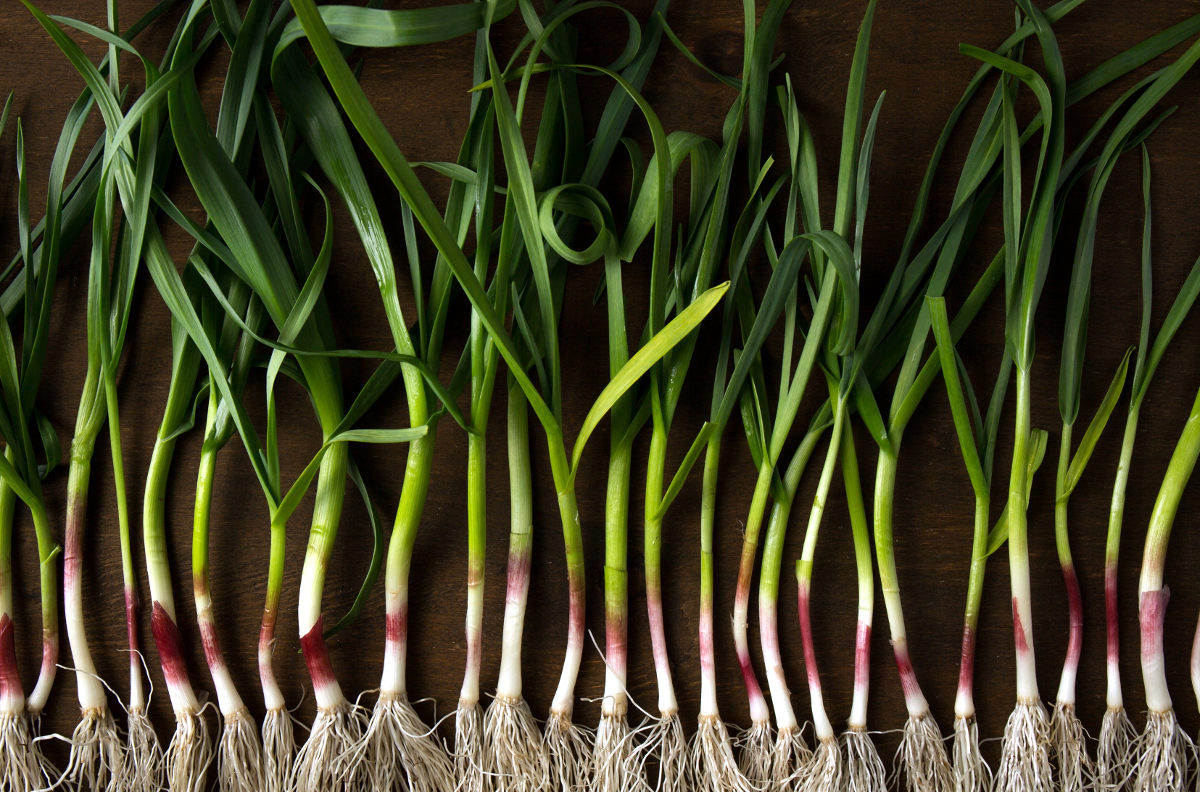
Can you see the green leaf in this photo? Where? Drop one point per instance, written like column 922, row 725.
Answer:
column 1096, row 428
column 381, row 144
column 1038, row 440
column 697, row 448
column 374, row 27
column 958, row 401
column 641, row 361
column 378, row 552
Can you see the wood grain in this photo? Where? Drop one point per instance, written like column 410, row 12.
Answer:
column 420, row 93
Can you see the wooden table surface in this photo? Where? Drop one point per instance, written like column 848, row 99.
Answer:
column 421, row 94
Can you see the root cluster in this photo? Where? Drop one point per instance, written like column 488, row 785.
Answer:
column 755, row 747
column 468, row 747
column 278, row 750
column 1025, row 753
column 921, row 757
column 514, row 756
column 144, row 766
column 864, row 768
column 1164, row 755
column 616, row 768
column 713, row 765
column 825, row 773
column 189, row 754
column 240, row 755
column 569, row 748
column 661, row 754
column 399, row 752
column 97, row 759
column 327, row 759
column 1114, row 750
column 971, row 772
column 1075, row 769
column 789, row 757
column 22, row 765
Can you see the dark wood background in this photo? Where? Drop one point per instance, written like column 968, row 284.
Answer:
column 421, row 95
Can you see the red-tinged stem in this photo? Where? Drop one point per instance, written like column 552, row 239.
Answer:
column 1152, row 591
column 652, row 557
column 821, row 722
column 1152, row 612
column 1112, row 634
column 1066, row 689
column 885, row 492
column 520, row 546
column 1195, row 663
column 12, row 694
column 209, row 639
column 331, row 492
column 90, row 689
column 476, row 552
column 708, row 673
column 862, row 674
column 170, row 646
column 568, row 508
column 1018, row 544
column 908, row 677
column 1112, row 553
column 1066, row 685
column 966, row 671
column 741, row 602
column 272, row 696
column 417, row 469
column 132, row 609
column 316, row 657
column 964, row 702
column 228, row 698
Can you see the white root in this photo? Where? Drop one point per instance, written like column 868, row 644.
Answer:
column 569, row 747
column 514, row 756
column 825, row 773
column 48, row 770
column 22, row 766
column 616, row 766
column 864, row 768
column 326, row 761
column 921, row 757
column 468, row 748
column 278, row 749
column 713, row 765
column 240, row 755
column 1025, row 752
column 1076, row 772
column 971, row 772
column 1164, row 755
column 755, row 746
column 1114, row 751
column 399, row 752
column 97, row 753
column 789, row 757
column 189, row 754
column 661, row 745
column 144, row 766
